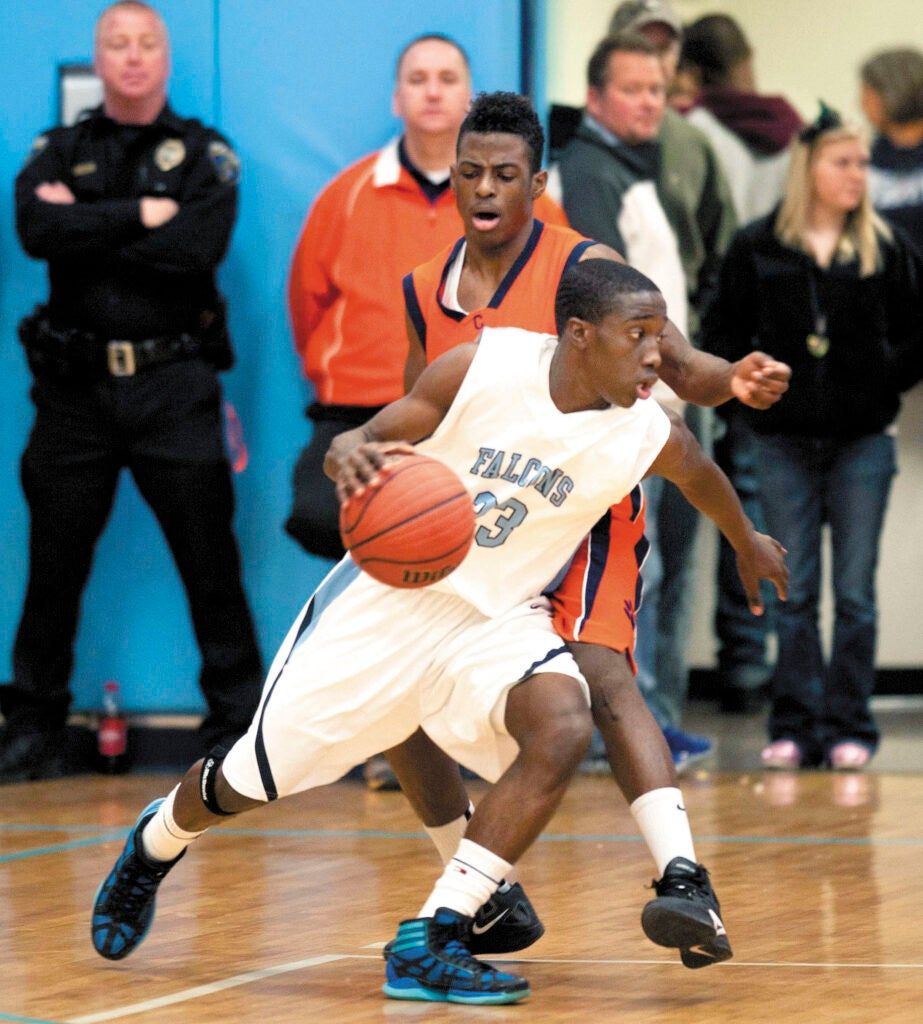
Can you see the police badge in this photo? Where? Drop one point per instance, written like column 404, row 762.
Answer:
column 169, row 154
column 225, row 161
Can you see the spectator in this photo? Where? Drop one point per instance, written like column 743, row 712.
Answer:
column 661, row 201
column 132, row 208
column 892, row 99
column 751, row 134
column 371, row 225
column 823, row 282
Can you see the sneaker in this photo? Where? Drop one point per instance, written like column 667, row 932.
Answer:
column 379, row 775
column 507, row 922
column 686, row 748
column 849, row 756
column 686, row 915
column 429, row 960
column 124, row 907
column 784, row 755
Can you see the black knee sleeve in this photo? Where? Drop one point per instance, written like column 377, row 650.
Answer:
column 207, row 778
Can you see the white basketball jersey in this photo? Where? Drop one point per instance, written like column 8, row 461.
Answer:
column 539, row 478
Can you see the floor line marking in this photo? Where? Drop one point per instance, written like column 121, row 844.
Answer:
column 119, row 835
column 249, row 977
column 205, row 990
column 25, row 1020
column 637, row 962
column 74, row 844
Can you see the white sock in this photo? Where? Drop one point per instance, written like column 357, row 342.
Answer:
column 162, row 839
column 470, row 878
column 447, row 837
column 661, row 817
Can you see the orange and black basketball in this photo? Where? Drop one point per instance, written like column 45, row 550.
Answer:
column 413, row 528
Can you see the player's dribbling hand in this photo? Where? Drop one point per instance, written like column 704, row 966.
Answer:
column 764, row 559
column 364, row 465
column 759, row 380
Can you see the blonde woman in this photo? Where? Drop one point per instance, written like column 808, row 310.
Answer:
column 824, row 284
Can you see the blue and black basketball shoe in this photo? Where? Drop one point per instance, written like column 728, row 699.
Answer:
column 429, row 960
column 125, row 902
column 686, row 915
column 507, row 922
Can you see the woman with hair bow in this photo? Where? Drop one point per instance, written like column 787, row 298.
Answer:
column 824, row 284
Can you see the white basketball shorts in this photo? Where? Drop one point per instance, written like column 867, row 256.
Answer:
column 364, row 665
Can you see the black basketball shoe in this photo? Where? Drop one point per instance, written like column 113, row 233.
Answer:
column 686, row 915
column 506, row 923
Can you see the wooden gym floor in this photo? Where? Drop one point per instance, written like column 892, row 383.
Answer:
column 281, row 916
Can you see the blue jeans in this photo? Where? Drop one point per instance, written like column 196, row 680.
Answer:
column 806, row 482
column 742, row 636
column 665, row 615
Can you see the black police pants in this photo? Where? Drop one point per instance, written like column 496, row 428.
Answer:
column 315, row 517
column 163, row 425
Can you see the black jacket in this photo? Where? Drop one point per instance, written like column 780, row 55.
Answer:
column 874, row 325
column 108, row 273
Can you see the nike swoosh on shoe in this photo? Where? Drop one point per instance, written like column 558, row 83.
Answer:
column 479, row 929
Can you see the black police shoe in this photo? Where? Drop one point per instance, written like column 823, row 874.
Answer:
column 26, row 756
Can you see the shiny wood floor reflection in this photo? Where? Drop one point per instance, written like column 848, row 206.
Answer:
column 280, row 917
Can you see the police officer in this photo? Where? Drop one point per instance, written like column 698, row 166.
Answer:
column 132, row 208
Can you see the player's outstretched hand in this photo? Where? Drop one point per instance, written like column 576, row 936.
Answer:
column 763, row 559
column 759, row 380
column 363, row 466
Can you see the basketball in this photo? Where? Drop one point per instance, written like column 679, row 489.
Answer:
column 413, row 528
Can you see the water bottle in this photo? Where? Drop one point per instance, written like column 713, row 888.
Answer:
column 112, row 736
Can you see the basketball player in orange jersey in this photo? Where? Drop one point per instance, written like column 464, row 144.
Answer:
column 482, row 669
column 505, row 272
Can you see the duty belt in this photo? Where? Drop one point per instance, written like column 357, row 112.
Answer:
column 126, row 358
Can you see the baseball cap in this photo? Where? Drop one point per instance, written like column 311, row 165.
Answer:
column 635, row 14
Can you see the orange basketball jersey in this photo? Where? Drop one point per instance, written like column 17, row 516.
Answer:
column 524, row 299
column 598, row 595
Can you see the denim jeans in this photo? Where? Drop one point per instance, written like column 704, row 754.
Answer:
column 665, row 615
column 806, row 482
column 742, row 636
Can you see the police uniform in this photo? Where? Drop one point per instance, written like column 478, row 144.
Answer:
column 124, row 357
column 345, row 683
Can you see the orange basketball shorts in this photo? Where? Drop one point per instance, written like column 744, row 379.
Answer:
column 597, row 600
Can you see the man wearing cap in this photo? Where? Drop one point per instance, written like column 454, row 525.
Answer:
column 661, row 193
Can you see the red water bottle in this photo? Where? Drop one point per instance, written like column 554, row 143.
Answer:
column 112, row 737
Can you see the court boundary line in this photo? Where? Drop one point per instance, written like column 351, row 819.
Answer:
column 97, row 838
column 210, row 988
column 248, row 977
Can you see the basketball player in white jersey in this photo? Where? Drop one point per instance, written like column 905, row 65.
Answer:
column 483, row 671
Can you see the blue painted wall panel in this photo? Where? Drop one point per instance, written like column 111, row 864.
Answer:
column 302, row 88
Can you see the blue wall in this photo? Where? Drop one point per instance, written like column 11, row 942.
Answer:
column 302, row 87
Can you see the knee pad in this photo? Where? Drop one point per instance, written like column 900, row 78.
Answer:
column 207, row 780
